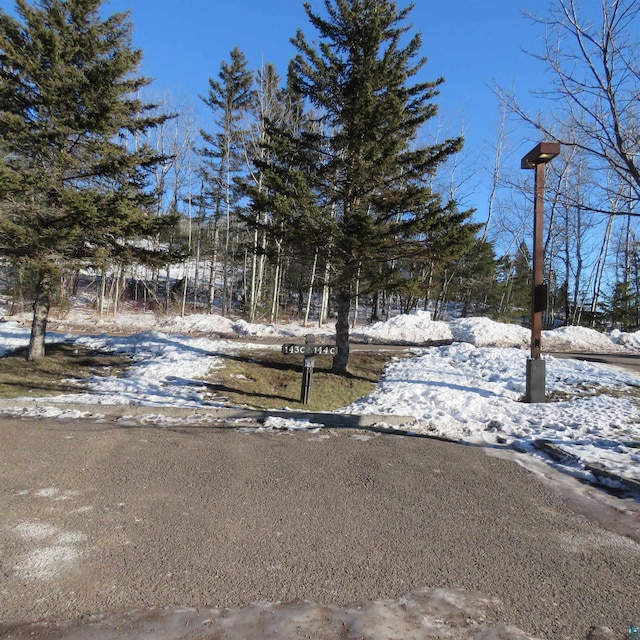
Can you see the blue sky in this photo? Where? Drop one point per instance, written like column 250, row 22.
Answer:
column 472, row 43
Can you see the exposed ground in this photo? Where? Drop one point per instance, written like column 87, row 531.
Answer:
column 268, row 379
column 261, row 379
column 65, row 370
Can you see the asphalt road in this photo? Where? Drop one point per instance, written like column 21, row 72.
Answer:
column 629, row 361
column 101, row 518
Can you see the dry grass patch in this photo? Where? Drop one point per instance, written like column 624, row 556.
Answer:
column 268, row 379
column 62, row 370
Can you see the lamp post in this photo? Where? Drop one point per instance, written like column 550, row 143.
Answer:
column 536, row 159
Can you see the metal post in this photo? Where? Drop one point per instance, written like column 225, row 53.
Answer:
column 537, row 159
column 536, row 366
column 538, row 263
column 307, row 372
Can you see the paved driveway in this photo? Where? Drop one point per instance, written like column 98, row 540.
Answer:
column 105, row 517
column 629, row 361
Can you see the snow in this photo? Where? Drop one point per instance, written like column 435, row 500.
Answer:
column 474, row 394
column 468, row 386
column 469, row 390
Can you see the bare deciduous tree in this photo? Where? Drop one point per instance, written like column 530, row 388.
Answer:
column 594, row 85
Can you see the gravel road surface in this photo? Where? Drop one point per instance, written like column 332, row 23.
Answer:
column 108, row 517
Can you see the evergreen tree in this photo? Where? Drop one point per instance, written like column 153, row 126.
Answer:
column 285, row 205
column 521, row 280
column 229, row 100
column 621, row 307
column 268, row 103
column 477, row 286
column 373, row 179
column 72, row 184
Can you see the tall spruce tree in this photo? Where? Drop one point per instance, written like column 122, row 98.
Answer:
column 72, row 183
column 374, row 177
column 229, row 100
column 285, row 206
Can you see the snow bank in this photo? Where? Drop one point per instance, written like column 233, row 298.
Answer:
column 626, row 340
column 269, row 330
column 579, row 339
column 475, row 394
column 483, row 332
column 415, row 328
column 197, row 323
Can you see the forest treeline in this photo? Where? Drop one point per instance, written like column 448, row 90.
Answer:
column 309, row 196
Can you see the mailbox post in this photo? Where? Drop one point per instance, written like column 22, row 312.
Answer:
column 537, row 159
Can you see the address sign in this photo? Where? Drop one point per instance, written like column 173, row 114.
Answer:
column 310, row 349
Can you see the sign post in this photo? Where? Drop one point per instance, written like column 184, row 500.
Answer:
column 307, row 372
column 309, row 350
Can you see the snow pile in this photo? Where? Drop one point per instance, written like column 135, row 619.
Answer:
column 474, row 394
column 270, row 330
column 579, row 339
column 166, row 371
column 12, row 337
column 448, row 614
column 626, row 340
column 416, row 328
column 484, row 332
column 196, row 323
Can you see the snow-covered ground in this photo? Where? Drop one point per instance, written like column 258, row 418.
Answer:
column 470, row 390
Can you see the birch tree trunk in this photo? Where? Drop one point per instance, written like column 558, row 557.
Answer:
column 310, row 294
column 116, row 292
column 496, row 171
column 356, row 301
column 276, row 284
column 253, row 284
column 212, row 272
column 600, row 266
column 324, row 304
column 103, row 291
column 227, row 235
column 261, row 269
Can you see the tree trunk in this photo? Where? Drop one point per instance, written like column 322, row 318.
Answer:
column 119, row 285
column 600, row 266
column 196, row 273
column 375, row 304
column 41, row 308
column 103, row 291
column 253, row 282
column 324, row 304
column 310, row 295
column 183, row 302
column 356, row 301
column 341, row 359
column 277, row 280
column 213, row 271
